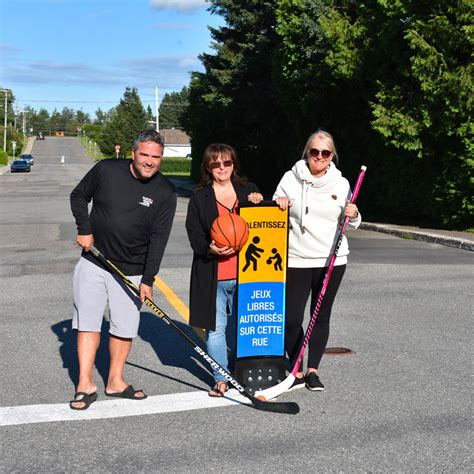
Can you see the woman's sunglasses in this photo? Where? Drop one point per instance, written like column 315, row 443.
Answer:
column 314, row 153
column 217, row 164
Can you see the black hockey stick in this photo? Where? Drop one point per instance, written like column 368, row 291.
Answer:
column 291, row 408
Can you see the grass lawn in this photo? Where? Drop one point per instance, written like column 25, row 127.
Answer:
column 177, row 174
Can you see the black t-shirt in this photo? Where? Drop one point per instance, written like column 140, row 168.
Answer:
column 130, row 219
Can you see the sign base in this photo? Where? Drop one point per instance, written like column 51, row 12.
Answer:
column 259, row 373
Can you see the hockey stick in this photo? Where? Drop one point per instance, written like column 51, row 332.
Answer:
column 291, row 408
column 283, row 386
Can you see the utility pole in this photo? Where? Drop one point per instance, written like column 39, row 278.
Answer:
column 16, row 113
column 156, row 110
column 5, row 91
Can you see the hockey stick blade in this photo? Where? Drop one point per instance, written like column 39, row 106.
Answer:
column 290, row 408
column 276, row 390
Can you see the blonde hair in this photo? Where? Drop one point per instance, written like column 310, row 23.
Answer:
column 328, row 138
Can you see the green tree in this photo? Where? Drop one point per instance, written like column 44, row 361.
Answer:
column 393, row 81
column 55, row 121
column 428, row 110
column 92, row 130
column 172, row 108
column 101, row 116
column 14, row 136
column 235, row 100
column 149, row 115
column 38, row 121
column 67, row 120
column 127, row 120
column 82, row 118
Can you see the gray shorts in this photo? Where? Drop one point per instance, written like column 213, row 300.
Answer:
column 93, row 288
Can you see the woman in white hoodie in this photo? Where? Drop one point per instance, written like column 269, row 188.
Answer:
column 317, row 195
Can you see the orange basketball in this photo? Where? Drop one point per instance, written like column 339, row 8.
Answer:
column 230, row 230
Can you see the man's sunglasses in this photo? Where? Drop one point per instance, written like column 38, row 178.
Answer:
column 217, row 164
column 314, row 153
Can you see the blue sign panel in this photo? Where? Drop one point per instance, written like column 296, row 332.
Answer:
column 261, row 283
column 261, row 319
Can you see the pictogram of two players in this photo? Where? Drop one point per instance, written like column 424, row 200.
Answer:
column 253, row 253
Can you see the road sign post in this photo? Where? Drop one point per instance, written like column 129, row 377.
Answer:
column 117, row 150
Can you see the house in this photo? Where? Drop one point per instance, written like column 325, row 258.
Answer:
column 177, row 143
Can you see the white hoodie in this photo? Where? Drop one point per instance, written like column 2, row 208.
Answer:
column 315, row 215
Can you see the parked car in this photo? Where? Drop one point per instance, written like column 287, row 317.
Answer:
column 28, row 158
column 19, row 166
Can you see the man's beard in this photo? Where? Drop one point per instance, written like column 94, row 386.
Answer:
column 138, row 172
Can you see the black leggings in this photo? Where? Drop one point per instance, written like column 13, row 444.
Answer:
column 299, row 283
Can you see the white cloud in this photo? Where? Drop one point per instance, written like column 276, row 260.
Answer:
column 8, row 48
column 178, row 5
column 47, row 72
column 169, row 72
column 189, row 63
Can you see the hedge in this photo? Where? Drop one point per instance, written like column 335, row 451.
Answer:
column 3, row 158
column 168, row 165
column 175, row 165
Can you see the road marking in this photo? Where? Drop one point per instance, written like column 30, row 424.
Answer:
column 117, row 408
column 177, row 304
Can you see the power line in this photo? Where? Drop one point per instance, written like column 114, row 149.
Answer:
column 97, row 102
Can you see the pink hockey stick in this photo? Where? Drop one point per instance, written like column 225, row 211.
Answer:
column 283, row 386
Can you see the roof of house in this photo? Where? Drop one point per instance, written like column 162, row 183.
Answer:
column 173, row 136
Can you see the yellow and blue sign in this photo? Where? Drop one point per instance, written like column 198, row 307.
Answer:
column 262, row 282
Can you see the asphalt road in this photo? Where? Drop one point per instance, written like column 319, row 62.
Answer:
column 401, row 403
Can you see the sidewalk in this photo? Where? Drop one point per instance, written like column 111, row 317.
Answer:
column 450, row 238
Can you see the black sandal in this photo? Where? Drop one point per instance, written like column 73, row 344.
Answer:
column 129, row 393
column 82, row 397
column 219, row 389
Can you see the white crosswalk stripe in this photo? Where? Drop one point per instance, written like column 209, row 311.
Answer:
column 117, row 408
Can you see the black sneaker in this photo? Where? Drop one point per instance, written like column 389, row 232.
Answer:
column 298, row 383
column 313, row 383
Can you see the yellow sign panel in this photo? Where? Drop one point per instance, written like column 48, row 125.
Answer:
column 263, row 258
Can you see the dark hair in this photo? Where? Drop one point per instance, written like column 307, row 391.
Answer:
column 148, row 136
column 212, row 153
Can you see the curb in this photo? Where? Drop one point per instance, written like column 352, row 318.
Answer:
column 424, row 236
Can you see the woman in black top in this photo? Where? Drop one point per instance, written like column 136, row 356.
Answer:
column 214, row 269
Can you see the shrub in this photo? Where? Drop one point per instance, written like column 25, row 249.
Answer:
column 175, row 165
column 92, row 130
column 3, row 158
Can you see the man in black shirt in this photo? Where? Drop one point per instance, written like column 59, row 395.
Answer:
column 133, row 206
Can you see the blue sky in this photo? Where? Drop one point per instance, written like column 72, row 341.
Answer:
column 83, row 53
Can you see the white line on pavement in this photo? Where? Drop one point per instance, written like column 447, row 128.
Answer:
column 117, row 408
